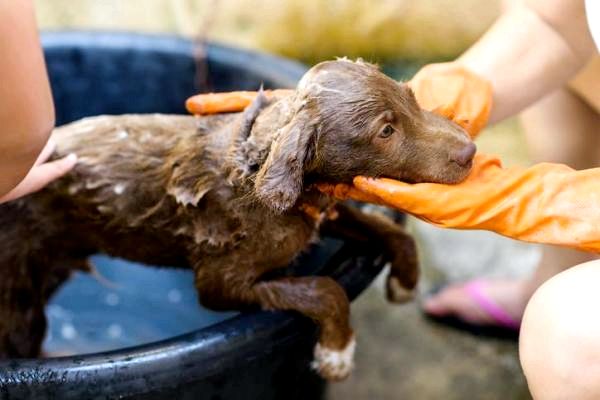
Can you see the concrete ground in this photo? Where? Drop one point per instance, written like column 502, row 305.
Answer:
column 402, row 355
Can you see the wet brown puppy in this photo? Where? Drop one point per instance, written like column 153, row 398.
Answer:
column 230, row 197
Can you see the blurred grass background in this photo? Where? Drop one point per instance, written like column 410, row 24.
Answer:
column 308, row 30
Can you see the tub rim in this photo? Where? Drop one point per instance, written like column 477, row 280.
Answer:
column 201, row 353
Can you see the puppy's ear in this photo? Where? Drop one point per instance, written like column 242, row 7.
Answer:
column 279, row 181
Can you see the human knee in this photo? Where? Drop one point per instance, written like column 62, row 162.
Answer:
column 560, row 336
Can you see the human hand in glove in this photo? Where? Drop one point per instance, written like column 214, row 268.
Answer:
column 453, row 91
column 546, row 203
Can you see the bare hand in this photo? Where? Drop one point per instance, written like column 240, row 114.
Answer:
column 42, row 173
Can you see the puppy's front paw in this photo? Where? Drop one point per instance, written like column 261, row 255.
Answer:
column 396, row 293
column 404, row 268
column 334, row 365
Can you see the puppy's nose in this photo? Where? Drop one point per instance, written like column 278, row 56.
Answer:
column 465, row 155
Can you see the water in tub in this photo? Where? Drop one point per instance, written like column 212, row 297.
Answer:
column 130, row 305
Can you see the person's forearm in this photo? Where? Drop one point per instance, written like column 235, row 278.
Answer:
column 26, row 107
column 535, row 47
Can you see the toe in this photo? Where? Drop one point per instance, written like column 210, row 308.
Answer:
column 443, row 303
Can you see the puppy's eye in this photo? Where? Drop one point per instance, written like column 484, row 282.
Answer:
column 387, row 131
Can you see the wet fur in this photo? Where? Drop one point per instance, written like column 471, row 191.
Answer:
column 221, row 195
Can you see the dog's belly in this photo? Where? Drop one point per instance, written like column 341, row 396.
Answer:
column 258, row 243
column 159, row 249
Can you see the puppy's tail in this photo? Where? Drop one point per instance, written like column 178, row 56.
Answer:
column 89, row 267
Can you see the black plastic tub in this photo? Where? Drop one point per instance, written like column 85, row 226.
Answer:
column 256, row 355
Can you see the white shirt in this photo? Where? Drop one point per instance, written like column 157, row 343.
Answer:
column 592, row 11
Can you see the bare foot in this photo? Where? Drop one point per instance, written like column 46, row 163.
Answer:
column 509, row 295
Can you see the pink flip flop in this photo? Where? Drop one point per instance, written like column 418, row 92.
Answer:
column 475, row 290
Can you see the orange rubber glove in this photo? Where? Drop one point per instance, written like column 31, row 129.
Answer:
column 216, row 103
column 546, row 203
column 454, row 92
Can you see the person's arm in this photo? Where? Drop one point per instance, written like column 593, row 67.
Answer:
column 26, row 107
column 535, row 47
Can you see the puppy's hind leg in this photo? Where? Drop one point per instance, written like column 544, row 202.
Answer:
column 30, row 270
column 22, row 318
column 319, row 298
column 24, row 291
column 22, row 331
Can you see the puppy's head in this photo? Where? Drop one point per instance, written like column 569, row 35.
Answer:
column 349, row 119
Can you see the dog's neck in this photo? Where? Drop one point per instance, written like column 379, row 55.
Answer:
column 254, row 132
column 253, row 135
column 237, row 154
